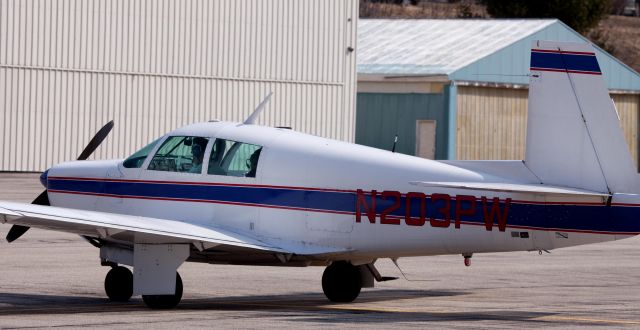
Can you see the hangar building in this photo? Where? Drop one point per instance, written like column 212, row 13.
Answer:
column 67, row 67
column 457, row 89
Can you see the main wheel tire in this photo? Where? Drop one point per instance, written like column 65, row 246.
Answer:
column 341, row 282
column 118, row 284
column 165, row 301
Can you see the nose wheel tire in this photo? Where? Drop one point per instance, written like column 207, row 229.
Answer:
column 165, row 301
column 341, row 282
column 118, row 284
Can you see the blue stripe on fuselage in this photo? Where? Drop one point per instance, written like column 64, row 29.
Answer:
column 597, row 218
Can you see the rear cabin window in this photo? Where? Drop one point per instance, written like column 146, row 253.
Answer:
column 180, row 154
column 232, row 158
column 136, row 160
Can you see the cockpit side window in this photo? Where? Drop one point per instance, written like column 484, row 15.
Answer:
column 136, row 160
column 232, row 158
column 180, row 154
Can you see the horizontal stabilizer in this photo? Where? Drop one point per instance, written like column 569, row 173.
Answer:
column 514, row 188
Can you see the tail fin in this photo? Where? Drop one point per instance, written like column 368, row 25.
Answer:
column 574, row 136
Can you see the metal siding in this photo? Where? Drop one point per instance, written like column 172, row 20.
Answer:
column 451, row 110
column 383, row 115
column 67, row 67
column 491, row 123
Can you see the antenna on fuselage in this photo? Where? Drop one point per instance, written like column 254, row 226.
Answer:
column 251, row 120
column 395, row 141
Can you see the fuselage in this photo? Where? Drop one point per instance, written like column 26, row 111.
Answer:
column 316, row 191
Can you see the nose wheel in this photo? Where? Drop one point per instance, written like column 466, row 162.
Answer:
column 119, row 284
column 341, row 282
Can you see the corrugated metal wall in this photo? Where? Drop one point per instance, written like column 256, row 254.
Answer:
column 492, row 122
column 67, row 67
column 383, row 115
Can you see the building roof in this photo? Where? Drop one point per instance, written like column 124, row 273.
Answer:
column 432, row 46
column 475, row 50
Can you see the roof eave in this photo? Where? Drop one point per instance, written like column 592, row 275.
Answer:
column 400, row 78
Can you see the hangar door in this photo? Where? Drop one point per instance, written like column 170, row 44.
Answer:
column 492, row 122
column 628, row 106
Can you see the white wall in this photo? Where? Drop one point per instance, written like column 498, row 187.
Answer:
column 68, row 66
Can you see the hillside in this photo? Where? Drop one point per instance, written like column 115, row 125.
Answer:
column 619, row 35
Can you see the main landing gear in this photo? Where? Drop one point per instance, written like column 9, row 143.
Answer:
column 165, row 301
column 118, row 284
column 341, row 282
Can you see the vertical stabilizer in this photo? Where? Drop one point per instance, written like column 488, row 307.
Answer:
column 574, row 136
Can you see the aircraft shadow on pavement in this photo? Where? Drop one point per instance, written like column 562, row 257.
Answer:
column 19, row 302
column 312, row 300
column 308, row 307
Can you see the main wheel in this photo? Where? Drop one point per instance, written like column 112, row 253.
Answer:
column 118, row 284
column 165, row 301
column 341, row 282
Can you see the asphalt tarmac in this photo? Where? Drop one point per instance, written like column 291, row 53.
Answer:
column 50, row 279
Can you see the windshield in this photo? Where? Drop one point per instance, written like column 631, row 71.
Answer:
column 136, row 160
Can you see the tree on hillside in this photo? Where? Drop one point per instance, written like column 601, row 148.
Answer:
column 581, row 15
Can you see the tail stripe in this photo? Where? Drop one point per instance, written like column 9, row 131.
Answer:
column 572, row 62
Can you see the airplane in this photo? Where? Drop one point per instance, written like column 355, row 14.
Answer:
column 239, row 193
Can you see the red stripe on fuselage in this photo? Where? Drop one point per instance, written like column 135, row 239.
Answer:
column 198, row 183
column 221, row 184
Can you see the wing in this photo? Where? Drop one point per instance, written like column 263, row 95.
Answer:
column 515, row 188
column 138, row 229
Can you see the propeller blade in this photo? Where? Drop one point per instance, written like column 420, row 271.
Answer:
column 15, row 232
column 43, row 199
column 95, row 142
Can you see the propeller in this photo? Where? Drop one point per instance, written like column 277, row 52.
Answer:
column 43, row 199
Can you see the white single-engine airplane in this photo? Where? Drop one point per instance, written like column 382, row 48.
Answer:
column 238, row 193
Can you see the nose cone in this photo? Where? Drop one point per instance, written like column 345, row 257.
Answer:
column 43, row 178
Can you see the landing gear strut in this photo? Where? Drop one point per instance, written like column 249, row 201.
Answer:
column 341, row 282
column 165, row 301
column 119, row 284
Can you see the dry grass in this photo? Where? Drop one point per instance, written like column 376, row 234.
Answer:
column 422, row 10
column 619, row 35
